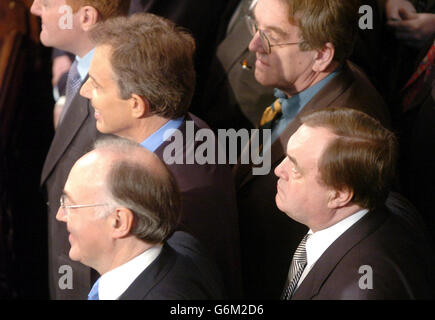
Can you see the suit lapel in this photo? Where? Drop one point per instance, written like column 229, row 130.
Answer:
column 326, row 264
column 235, row 47
column 73, row 120
column 151, row 276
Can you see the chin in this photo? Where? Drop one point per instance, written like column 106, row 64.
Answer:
column 263, row 80
column 278, row 202
column 73, row 254
column 44, row 40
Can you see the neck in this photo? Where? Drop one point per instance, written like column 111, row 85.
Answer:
column 311, row 80
column 146, row 127
column 82, row 47
column 334, row 217
column 123, row 251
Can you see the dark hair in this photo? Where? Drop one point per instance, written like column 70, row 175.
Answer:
column 152, row 58
column 361, row 158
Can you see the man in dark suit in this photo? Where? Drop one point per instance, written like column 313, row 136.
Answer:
column 335, row 179
column 68, row 30
column 120, row 204
column 307, row 65
column 141, row 82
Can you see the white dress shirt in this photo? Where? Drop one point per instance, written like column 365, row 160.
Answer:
column 319, row 241
column 114, row 283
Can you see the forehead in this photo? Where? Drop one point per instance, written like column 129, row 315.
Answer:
column 86, row 178
column 53, row 3
column 307, row 144
column 101, row 65
column 272, row 13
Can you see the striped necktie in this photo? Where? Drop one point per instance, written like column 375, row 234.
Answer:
column 73, row 84
column 297, row 267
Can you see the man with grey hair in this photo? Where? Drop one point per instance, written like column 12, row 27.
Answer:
column 120, row 204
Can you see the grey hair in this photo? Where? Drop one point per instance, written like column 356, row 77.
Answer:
column 152, row 195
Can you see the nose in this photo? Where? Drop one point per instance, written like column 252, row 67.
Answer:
column 279, row 170
column 61, row 215
column 256, row 45
column 85, row 90
column 35, row 9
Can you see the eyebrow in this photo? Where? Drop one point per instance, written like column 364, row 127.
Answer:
column 278, row 30
column 95, row 80
column 66, row 195
column 293, row 160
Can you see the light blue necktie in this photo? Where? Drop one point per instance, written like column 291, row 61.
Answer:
column 93, row 294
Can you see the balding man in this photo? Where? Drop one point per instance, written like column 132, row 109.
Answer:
column 120, row 204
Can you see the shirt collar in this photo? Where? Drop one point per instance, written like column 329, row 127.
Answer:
column 319, row 241
column 293, row 105
column 115, row 282
column 84, row 63
column 157, row 138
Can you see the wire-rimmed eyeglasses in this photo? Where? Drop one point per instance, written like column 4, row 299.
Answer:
column 265, row 42
column 66, row 208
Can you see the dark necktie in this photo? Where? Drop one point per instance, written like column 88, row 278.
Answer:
column 72, row 87
column 296, row 269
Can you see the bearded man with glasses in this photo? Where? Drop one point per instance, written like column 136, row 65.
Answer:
column 302, row 49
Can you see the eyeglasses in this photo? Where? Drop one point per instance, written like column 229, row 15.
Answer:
column 265, row 42
column 66, row 208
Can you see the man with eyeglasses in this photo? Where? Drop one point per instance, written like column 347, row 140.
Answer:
column 120, row 205
column 301, row 50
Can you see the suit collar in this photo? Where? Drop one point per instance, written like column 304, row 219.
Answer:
column 151, row 276
column 321, row 270
column 65, row 133
column 182, row 129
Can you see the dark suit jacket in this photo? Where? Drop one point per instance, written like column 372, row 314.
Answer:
column 402, row 264
column 73, row 138
column 417, row 159
column 171, row 276
column 183, row 270
column 268, row 236
column 209, row 208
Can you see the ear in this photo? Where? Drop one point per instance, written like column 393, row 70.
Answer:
column 121, row 222
column 140, row 106
column 339, row 198
column 88, row 16
column 324, row 57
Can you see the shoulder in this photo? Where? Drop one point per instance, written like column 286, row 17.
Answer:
column 184, row 280
column 390, row 263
